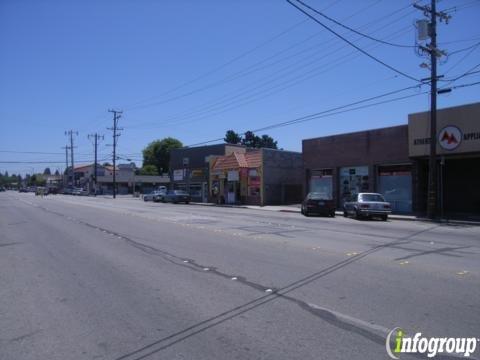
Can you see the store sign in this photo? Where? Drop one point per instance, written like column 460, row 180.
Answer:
column 450, row 137
column 232, row 175
column 196, row 173
column 178, row 175
column 459, row 131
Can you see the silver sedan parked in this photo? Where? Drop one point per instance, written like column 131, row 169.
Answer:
column 367, row 205
column 156, row 196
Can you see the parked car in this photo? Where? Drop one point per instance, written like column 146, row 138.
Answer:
column 155, row 196
column 2, row 188
column 176, row 196
column 79, row 192
column 367, row 205
column 22, row 190
column 318, row 203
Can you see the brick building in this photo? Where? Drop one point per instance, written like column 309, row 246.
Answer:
column 365, row 161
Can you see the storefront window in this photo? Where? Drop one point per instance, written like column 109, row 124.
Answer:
column 321, row 182
column 395, row 184
column 353, row 180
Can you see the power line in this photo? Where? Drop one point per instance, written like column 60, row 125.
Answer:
column 322, row 113
column 462, row 59
column 229, row 101
column 353, row 30
column 464, row 49
column 254, row 68
column 352, row 44
column 337, row 111
column 229, row 62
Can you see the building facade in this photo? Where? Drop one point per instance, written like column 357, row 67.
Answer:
column 257, row 177
column 458, row 159
column 393, row 161
column 367, row 161
column 189, row 168
column 126, row 179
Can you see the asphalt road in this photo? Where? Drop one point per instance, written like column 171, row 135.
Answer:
column 96, row 278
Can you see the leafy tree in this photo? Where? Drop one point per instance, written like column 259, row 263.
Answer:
column 157, row 153
column 149, row 170
column 106, row 164
column 57, row 172
column 32, row 180
column 268, row 142
column 47, row 171
column 231, row 137
column 251, row 140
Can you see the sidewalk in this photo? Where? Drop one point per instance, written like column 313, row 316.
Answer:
column 295, row 208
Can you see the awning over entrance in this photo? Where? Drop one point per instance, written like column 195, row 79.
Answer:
column 251, row 159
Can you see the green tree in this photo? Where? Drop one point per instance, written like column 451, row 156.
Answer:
column 268, row 142
column 157, row 153
column 47, row 171
column 250, row 140
column 231, row 137
column 148, row 170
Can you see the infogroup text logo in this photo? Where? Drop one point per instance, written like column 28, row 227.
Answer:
column 431, row 346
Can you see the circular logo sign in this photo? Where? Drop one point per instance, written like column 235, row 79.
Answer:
column 450, row 137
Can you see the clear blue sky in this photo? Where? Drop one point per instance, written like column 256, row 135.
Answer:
column 194, row 69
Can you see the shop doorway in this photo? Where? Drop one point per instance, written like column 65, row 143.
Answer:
column 461, row 186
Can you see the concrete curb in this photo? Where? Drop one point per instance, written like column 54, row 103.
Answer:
column 340, row 213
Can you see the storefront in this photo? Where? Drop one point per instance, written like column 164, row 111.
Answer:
column 257, row 177
column 236, row 178
column 458, row 159
column 190, row 168
column 376, row 160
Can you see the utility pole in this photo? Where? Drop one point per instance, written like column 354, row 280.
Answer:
column 65, row 183
column 96, row 137
column 434, row 53
column 70, row 133
column 115, row 128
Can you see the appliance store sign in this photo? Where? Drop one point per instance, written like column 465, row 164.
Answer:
column 454, row 136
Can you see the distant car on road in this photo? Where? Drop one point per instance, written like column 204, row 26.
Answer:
column 79, row 192
column 176, row 196
column 2, row 188
column 318, row 203
column 155, row 196
column 23, row 190
column 367, row 205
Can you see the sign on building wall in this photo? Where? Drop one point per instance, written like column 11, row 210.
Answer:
column 458, row 131
column 178, row 175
